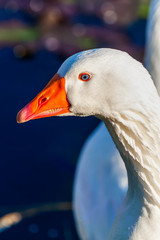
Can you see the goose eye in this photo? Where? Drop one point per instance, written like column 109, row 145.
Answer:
column 84, row 76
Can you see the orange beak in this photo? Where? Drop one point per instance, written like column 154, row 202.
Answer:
column 51, row 101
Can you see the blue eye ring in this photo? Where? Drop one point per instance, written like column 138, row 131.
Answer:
column 84, row 77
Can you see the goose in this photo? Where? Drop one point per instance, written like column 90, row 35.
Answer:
column 120, row 92
column 99, row 157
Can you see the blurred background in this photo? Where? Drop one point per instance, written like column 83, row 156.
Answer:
column 38, row 159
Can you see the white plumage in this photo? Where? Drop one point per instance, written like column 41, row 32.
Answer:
column 129, row 107
column 100, row 156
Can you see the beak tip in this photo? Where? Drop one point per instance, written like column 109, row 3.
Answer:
column 19, row 117
column 22, row 115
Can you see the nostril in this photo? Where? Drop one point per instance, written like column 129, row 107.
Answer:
column 41, row 101
column 44, row 100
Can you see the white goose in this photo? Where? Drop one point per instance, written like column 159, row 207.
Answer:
column 96, row 207
column 120, row 92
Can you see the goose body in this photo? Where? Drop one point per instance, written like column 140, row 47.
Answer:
column 99, row 155
column 100, row 185
column 126, row 100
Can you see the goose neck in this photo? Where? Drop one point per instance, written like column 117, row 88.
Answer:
column 136, row 136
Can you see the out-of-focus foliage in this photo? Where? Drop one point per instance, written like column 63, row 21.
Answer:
column 20, row 35
column 143, row 9
column 68, row 26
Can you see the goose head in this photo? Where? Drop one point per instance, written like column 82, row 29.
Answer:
column 93, row 82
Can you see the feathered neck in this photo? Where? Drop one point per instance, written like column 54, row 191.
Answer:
column 152, row 54
column 137, row 137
